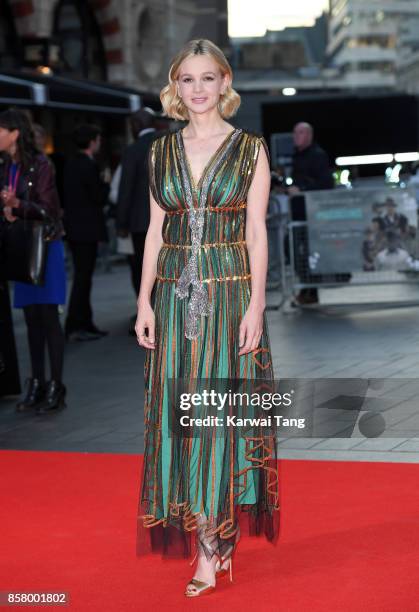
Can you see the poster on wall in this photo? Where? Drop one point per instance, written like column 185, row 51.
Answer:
column 362, row 230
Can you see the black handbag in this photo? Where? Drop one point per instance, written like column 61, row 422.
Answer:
column 24, row 250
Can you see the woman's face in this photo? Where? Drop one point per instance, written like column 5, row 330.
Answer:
column 8, row 139
column 200, row 83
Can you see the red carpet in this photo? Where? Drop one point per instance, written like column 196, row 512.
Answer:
column 349, row 539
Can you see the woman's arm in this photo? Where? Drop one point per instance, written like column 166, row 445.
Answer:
column 43, row 200
column 251, row 326
column 153, row 242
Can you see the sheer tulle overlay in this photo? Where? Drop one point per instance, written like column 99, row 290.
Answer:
column 202, row 489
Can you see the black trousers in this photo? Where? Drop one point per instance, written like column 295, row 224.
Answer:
column 44, row 330
column 136, row 261
column 79, row 314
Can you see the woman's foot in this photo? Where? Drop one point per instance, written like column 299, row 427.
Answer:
column 35, row 395
column 204, row 579
column 225, row 563
column 55, row 398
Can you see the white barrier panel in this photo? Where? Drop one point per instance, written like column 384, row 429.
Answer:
column 364, row 229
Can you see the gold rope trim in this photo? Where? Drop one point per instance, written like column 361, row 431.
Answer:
column 209, row 280
column 256, row 360
column 260, row 462
column 226, row 529
column 151, row 521
column 208, row 244
column 182, row 211
column 189, row 518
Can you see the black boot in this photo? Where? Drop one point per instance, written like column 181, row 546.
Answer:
column 55, row 398
column 35, row 395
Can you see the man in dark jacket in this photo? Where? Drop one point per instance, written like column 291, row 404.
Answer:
column 310, row 167
column 133, row 207
column 310, row 171
column 85, row 195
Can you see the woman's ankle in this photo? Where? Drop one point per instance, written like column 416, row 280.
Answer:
column 206, row 567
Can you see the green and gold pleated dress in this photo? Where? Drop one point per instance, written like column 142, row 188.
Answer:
column 200, row 296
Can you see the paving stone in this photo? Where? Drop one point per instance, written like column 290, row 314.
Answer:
column 409, row 446
column 378, row 444
column 105, row 379
column 337, row 444
column 298, row 442
column 349, row 455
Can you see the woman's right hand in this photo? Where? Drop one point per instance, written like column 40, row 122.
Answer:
column 145, row 321
column 9, row 202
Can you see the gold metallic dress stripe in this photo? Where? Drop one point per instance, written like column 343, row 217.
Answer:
column 210, row 280
column 216, row 209
column 203, row 246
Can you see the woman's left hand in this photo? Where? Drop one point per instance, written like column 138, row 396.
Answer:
column 10, row 201
column 250, row 330
column 8, row 214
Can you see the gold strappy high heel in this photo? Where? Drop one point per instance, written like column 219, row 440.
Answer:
column 219, row 573
column 201, row 588
column 204, row 588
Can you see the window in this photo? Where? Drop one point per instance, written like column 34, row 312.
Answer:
column 79, row 37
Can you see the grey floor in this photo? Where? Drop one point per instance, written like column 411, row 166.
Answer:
column 105, row 379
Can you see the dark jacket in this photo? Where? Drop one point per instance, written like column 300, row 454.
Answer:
column 36, row 191
column 133, row 209
column 399, row 223
column 85, row 195
column 311, row 169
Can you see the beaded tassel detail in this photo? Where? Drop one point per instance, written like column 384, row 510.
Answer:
column 199, row 304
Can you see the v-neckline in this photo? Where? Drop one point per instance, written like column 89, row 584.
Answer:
column 197, row 185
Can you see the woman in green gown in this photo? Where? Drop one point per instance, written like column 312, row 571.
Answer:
column 201, row 316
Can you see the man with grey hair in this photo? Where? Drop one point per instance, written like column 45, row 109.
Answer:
column 311, row 168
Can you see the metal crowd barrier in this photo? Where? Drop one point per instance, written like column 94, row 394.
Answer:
column 356, row 288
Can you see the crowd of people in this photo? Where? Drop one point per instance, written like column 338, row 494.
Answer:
column 386, row 238
column 29, row 191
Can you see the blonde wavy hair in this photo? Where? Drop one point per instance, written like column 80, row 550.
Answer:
column 173, row 105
